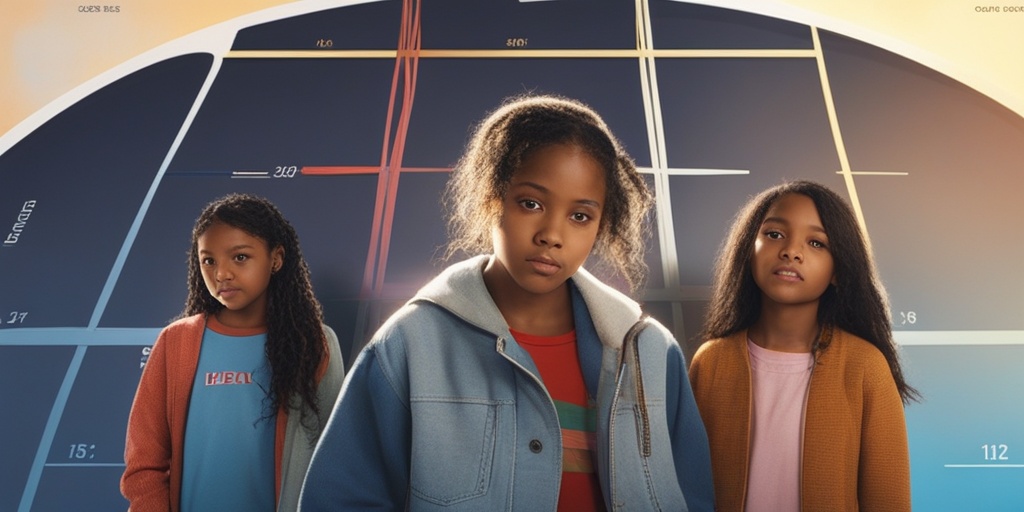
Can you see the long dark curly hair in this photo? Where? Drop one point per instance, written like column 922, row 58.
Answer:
column 857, row 303
column 296, row 343
column 510, row 135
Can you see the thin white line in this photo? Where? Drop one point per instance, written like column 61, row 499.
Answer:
column 959, row 337
column 86, row 465
column 249, row 177
column 876, row 173
column 81, row 336
column 984, row 466
column 250, row 173
column 691, row 171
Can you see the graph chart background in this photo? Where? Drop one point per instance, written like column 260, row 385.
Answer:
column 353, row 113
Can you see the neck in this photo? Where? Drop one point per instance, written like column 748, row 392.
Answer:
column 548, row 314
column 786, row 328
column 241, row 319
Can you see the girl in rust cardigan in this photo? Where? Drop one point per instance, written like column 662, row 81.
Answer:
column 236, row 392
column 799, row 383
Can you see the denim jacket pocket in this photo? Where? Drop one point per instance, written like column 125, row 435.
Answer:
column 453, row 443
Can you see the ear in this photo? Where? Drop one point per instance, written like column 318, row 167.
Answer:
column 276, row 259
column 834, row 281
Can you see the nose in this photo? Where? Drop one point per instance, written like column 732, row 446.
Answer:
column 793, row 251
column 549, row 234
column 222, row 273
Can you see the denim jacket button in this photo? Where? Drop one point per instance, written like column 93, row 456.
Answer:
column 536, row 446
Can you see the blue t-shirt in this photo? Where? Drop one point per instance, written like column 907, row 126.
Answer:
column 229, row 441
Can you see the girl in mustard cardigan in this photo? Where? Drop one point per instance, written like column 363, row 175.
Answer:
column 799, row 384
column 235, row 393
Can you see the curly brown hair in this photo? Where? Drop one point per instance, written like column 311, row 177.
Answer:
column 510, row 135
column 857, row 303
column 296, row 344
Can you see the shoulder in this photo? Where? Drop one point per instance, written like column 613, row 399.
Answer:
column 186, row 331
column 184, row 326
column 857, row 352
column 722, row 347
column 720, row 358
column 411, row 319
column 655, row 332
column 858, row 360
column 422, row 327
column 335, row 361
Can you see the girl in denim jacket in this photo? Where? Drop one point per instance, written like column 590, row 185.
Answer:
column 516, row 380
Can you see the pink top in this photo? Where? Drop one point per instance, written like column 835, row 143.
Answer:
column 780, row 381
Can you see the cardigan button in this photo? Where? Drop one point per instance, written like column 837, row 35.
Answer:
column 536, row 446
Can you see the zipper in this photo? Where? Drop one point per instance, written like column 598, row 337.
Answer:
column 631, row 343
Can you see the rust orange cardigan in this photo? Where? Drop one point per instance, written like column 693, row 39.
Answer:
column 855, row 454
column 156, row 426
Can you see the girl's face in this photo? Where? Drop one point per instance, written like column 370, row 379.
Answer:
column 236, row 268
column 792, row 263
column 551, row 215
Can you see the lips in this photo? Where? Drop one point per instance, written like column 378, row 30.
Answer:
column 227, row 293
column 788, row 274
column 544, row 266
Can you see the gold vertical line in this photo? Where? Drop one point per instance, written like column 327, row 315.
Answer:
column 656, row 145
column 837, row 136
column 659, row 160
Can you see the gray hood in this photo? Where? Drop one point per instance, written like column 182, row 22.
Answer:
column 460, row 289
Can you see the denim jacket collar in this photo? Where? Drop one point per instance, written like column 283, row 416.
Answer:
column 460, row 289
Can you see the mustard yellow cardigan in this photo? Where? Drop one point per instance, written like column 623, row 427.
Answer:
column 855, row 454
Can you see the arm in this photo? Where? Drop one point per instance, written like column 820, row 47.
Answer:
column 147, row 454
column 333, row 375
column 362, row 459
column 690, row 447
column 884, row 473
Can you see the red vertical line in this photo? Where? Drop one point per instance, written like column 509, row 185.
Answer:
column 410, row 60
column 366, row 291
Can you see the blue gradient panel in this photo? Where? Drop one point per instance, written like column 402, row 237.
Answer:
column 967, row 436
column 29, row 380
column 86, row 172
column 80, row 488
column 102, row 396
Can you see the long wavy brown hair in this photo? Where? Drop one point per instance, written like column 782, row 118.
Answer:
column 857, row 303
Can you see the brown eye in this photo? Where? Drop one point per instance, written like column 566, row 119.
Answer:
column 530, row 204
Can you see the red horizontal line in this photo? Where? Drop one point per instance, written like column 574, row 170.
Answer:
column 426, row 169
column 339, row 169
column 327, row 170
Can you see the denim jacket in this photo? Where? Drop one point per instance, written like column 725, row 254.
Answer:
column 443, row 410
